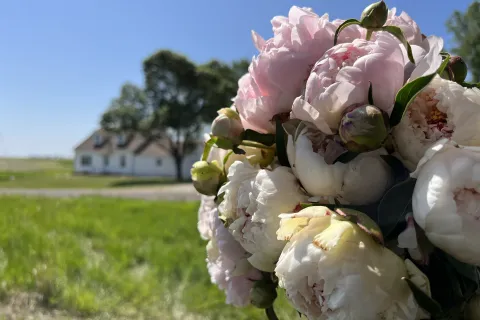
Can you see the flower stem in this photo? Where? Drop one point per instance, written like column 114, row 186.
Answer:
column 270, row 312
column 369, row 34
column 255, row 145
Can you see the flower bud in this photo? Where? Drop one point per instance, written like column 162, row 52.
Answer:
column 263, row 294
column 456, row 70
column 262, row 157
column 363, row 128
column 227, row 125
column 374, row 16
column 255, row 156
column 206, row 177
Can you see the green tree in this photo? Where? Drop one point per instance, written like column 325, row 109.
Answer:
column 127, row 112
column 178, row 99
column 465, row 27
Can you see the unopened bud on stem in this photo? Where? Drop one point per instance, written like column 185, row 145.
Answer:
column 227, row 125
column 206, row 177
column 364, row 128
column 374, row 16
column 456, row 70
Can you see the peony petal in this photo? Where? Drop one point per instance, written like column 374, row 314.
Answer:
column 258, row 41
column 431, row 61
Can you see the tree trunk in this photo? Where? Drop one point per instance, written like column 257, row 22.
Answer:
column 178, row 166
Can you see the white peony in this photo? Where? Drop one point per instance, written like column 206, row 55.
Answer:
column 207, row 213
column 252, row 201
column 444, row 109
column 361, row 181
column 229, row 268
column 446, row 199
column 332, row 269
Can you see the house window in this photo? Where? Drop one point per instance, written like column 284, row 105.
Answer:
column 121, row 139
column 97, row 139
column 123, row 161
column 105, row 161
column 86, row 161
column 159, row 162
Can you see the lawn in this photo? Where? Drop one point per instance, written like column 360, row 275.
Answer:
column 111, row 258
column 53, row 173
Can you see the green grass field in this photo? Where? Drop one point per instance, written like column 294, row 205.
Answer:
column 122, row 258
column 51, row 173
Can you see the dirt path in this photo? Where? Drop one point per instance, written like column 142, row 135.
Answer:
column 180, row 192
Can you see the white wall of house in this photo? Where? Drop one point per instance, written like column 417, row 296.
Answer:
column 148, row 166
column 140, row 165
column 154, row 166
column 83, row 165
column 116, row 166
column 100, row 163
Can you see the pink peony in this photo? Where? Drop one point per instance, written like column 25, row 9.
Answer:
column 410, row 29
column 277, row 75
column 228, row 266
column 341, row 78
column 350, row 33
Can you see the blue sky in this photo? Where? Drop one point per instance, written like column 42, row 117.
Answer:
column 62, row 62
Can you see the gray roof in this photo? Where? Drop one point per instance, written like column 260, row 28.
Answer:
column 110, row 143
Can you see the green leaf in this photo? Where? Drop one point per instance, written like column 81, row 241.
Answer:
column 424, row 300
column 208, row 146
column 370, row 95
column 466, row 270
column 281, row 141
column 398, row 33
column 346, row 157
column 395, row 205
column 471, row 85
column 237, row 150
column 407, row 94
column 225, row 159
column 445, row 282
column 444, row 65
column 219, row 198
column 223, row 143
column 265, row 139
column 347, row 23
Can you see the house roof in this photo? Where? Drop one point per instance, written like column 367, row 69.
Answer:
column 110, row 143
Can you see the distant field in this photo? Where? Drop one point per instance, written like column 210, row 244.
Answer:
column 34, row 164
column 116, row 259
column 52, row 173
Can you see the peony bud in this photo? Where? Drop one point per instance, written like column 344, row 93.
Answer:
column 227, row 125
column 374, row 16
column 363, row 128
column 263, row 294
column 456, row 70
column 206, row 177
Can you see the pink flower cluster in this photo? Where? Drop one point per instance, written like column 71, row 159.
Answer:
column 302, row 55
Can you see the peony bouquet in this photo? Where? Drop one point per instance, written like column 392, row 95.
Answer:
column 347, row 173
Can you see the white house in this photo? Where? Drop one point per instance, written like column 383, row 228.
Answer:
column 128, row 154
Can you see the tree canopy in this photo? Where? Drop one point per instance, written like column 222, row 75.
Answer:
column 178, row 98
column 465, row 27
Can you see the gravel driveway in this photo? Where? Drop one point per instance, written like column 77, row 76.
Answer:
column 179, row 192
